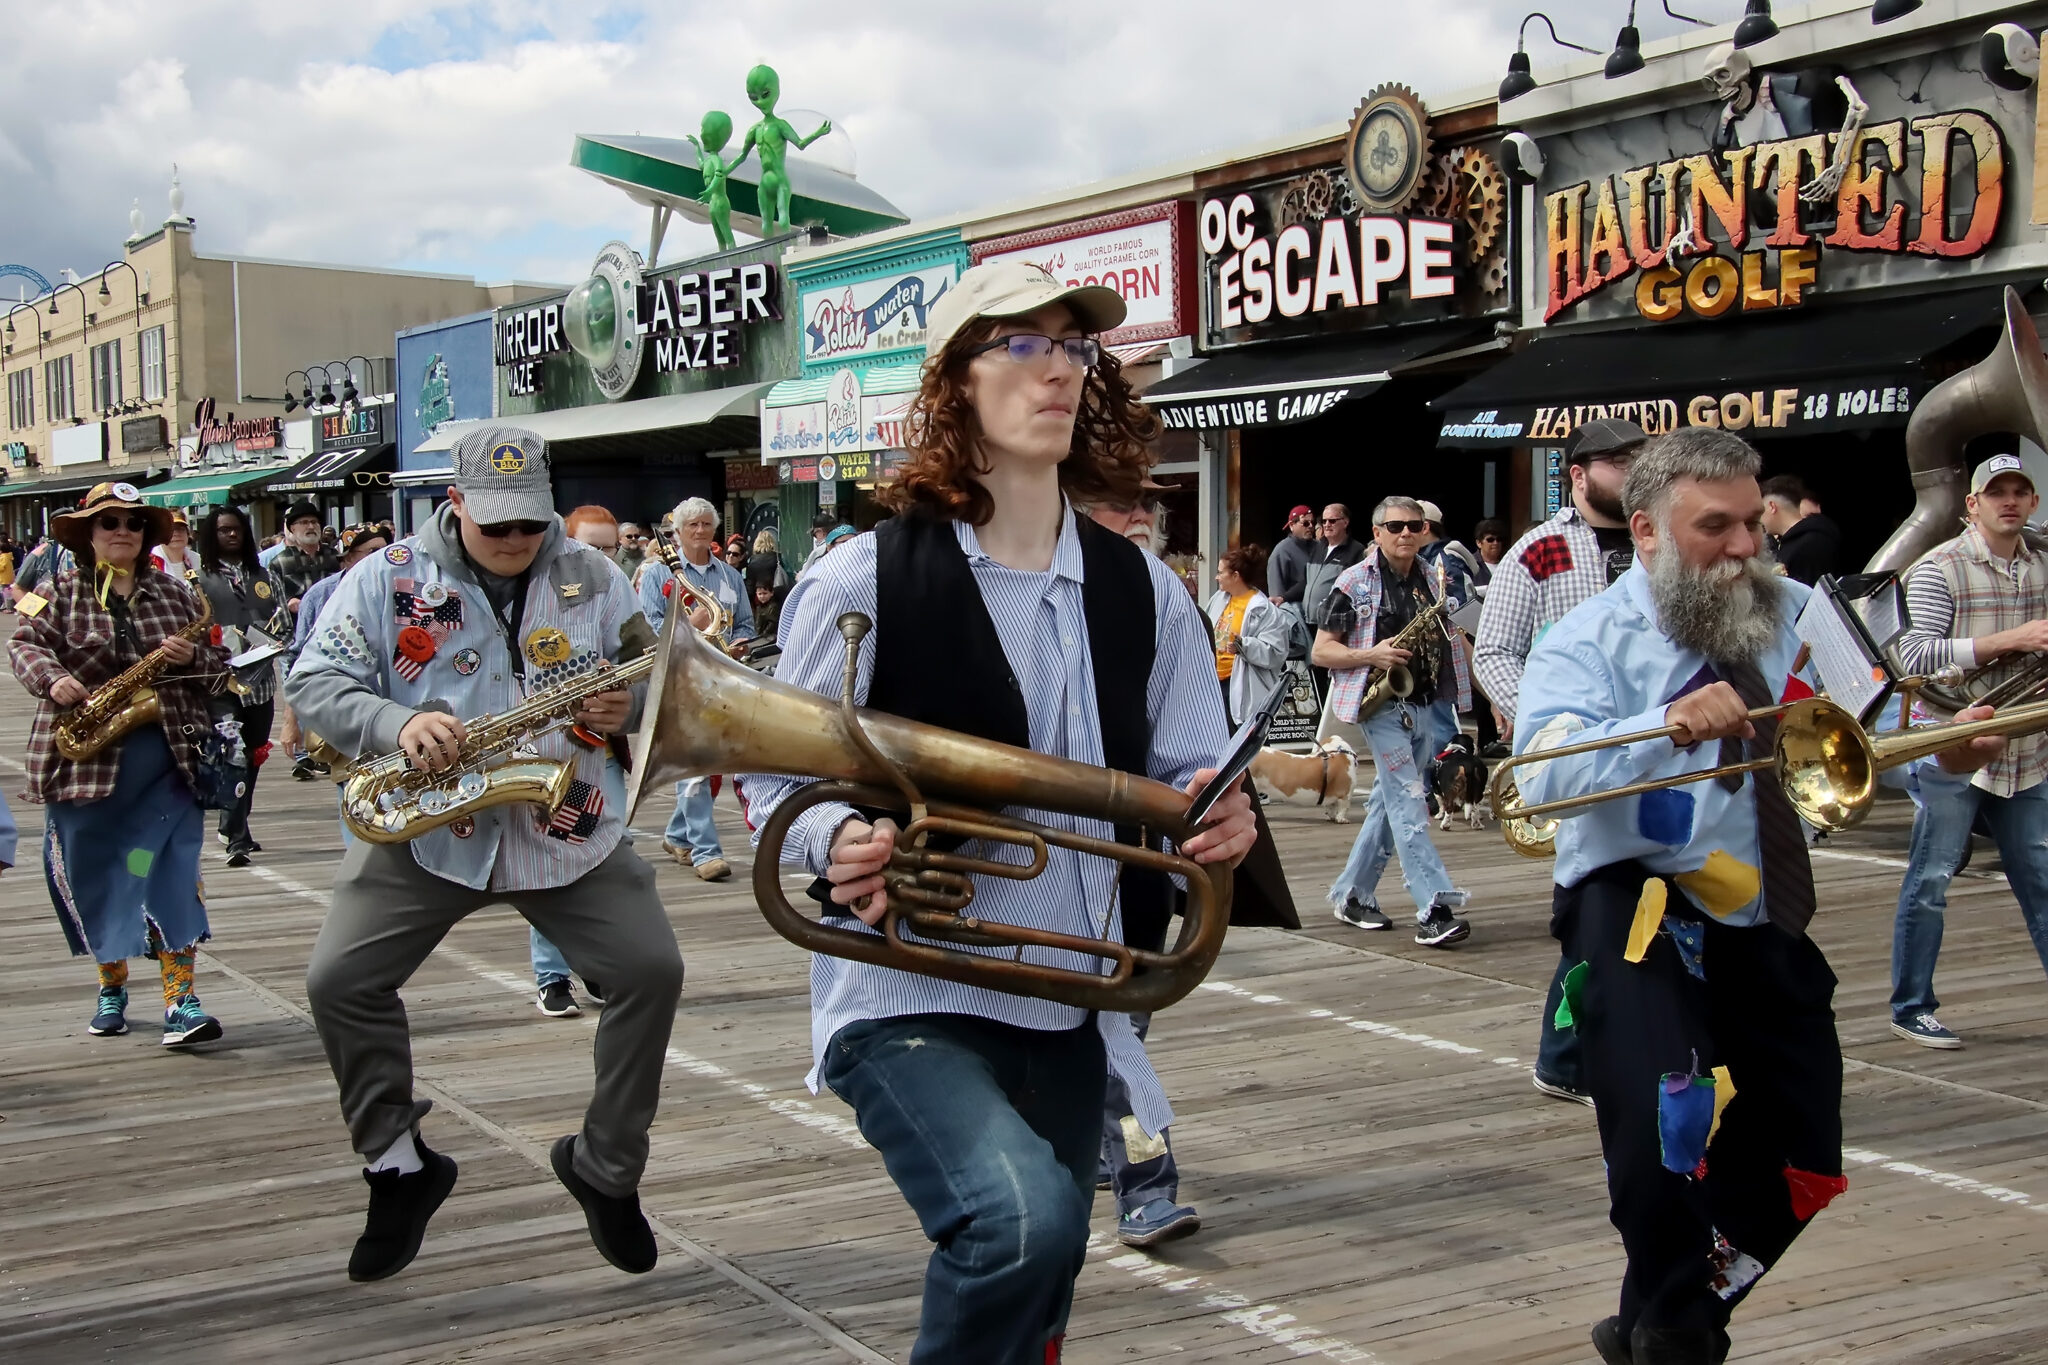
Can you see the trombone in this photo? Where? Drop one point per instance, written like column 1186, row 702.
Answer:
column 1824, row 759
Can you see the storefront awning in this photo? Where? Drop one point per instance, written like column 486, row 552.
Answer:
column 335, row 469
column 1841, row 368
column 440, row 476
column 202, row 486
column 71, row 485
column 1263, row 387
column 841, row 413
column 705, row 420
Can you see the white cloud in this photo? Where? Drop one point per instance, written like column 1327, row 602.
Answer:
column 438, row 137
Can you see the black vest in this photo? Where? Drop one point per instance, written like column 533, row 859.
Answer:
column 938, row 660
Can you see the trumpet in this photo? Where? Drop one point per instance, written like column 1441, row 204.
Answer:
column 1824, row 759
column 706, row 713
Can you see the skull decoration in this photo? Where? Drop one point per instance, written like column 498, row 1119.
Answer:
column 1728, row 72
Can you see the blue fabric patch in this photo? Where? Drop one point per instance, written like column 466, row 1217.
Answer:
column 1690, row 938
column 1685, row 1115
column 1665, row 817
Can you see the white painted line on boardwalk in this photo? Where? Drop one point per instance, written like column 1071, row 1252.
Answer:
column 1267, row 1320
column 1394, row 1033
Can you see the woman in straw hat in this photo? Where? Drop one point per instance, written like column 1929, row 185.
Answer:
column 123, row 832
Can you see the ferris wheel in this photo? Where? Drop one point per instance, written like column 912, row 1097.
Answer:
column 29, row 273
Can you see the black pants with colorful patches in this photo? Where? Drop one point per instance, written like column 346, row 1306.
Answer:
column 1704, row 1207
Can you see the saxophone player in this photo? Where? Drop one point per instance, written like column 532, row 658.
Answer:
column 123, row 831
column 489, row 603
column 1373, row 601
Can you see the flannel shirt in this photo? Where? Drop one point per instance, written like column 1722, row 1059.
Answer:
column 1957, row 593
column 295, row 571
column 74, row 634
column 1556, row 565
column 1361, row 583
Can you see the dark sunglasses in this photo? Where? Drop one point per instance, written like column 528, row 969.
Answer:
column 498, row 530
column 1084, row 352
column 1331, row 521
column 109, row 521
column 1397, row 527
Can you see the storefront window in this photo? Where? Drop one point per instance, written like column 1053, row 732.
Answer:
column 152, row 346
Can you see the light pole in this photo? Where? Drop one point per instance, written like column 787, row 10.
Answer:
column 291, row 400
column 106, row 295
column 8, row 346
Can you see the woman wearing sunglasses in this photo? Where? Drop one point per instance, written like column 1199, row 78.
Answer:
column 1057, row 635
column 244, row 594
column 123, row 831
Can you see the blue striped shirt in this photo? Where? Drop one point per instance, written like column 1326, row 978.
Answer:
column 1039, row 619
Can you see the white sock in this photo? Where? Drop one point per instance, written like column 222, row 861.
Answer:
column 401, row 1156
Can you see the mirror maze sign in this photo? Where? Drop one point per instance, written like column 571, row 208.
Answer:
column 693, row 319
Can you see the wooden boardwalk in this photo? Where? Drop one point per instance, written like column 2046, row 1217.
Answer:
column 1379, row 1182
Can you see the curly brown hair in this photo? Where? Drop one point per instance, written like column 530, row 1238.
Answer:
column 1112, row 434
column 1247, row 562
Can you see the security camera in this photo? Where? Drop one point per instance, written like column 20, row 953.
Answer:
column 1521, row 157
column 2011, row 56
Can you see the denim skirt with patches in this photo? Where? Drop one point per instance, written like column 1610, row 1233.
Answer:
column 124, row 871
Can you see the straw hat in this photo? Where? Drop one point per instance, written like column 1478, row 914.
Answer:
column 73, row 529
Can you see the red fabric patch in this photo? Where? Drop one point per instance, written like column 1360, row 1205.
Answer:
column 1811, row 1193
column 1052, row 1350
column 1795, row 689
column 213, row 636
column 1548, row 557
column 416, row 644
column 668, row 589
column 261, row 753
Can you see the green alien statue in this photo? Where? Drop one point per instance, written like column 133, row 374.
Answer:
column 715, row 170
column 771, row 137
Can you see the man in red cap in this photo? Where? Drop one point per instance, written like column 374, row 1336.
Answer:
column 1287, row 569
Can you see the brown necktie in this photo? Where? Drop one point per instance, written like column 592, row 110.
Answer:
column 1787, row 872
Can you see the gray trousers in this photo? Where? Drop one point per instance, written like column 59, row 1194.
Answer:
column 389, row 913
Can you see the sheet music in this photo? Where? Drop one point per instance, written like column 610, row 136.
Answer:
column 1883, row 614
column 1851, row 677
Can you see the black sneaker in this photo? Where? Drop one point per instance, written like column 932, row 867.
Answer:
column 400, row 1206
column 303, row 771
column 1361, row 916
column 1441, row 929
column 1675, row 1346
column 617, row 1227
column 556, row 1002
column 1610, row 1343
column 238, row 855
column 594, row 991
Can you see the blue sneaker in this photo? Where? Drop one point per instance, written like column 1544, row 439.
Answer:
column 110, row 1017
column 1159, row 1221
column 1923, row 1028
column 185, row 1023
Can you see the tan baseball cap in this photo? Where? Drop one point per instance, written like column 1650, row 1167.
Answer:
column 1010, row 289
column 1996, row 465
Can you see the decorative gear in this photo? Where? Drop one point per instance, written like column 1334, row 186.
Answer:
column 1319, row 194
column 1481, row 200
column 1293, row 204
column 1390, row 115
column 1493, row 273
column 1433, row 200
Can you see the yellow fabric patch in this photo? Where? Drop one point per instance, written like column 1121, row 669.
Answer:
column 1649, row 915
column 1137, row 1145
column 31, row 605
column 1724, row 885
column 1724, row 1091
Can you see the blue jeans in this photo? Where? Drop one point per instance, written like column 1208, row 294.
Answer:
column 1135, row 1183
column 549, row 966
column 1949, row 805
column 691, row 826
column 991, row 1132
column 1397, row 812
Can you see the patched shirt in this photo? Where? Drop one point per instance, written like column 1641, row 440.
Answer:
column 1607, row 669
column 1556, row 565
column 409, row 629
column 1361, row 584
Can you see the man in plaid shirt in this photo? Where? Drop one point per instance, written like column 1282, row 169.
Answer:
column 1978, row 598
column 1373, row 601
column 1550, row 570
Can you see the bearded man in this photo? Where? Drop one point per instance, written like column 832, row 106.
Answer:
column 1685, row 909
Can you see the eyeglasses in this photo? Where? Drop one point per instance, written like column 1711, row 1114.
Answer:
column 498, row 530
column 1620, row 459
column 1397, row 527
column 1082, row 352
column 1331, row 521
column 636, row 539
column 372, row 478
column 109, row 521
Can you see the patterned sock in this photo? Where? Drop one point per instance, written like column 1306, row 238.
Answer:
column 113, row 975
column 177, row 969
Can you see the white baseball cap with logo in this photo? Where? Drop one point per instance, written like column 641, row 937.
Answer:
column 1996, row 465
column 1011, row 289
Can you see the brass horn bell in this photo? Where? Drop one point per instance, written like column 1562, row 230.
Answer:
column 706, row 713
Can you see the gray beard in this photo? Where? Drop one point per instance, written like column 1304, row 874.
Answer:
column 1731, row 612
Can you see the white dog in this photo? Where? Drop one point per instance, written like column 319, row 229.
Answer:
column 1323, row 778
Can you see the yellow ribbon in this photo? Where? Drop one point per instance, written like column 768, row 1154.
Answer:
column 104, row 575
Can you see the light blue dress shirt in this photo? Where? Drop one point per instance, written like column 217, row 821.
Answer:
column 717, row 580
column 1607, row 668
column 1040, row 621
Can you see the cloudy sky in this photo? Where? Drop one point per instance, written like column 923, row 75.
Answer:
column 436, row 135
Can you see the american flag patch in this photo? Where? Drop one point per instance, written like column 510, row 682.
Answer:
column 1548, row 557
column 575, row 820
column 443, row 620
column 408, row 669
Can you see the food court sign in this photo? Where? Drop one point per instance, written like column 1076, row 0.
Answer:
column 1137, row 254
column 1754, row 228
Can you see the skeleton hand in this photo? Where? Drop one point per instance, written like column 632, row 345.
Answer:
column 1682, row 241
column 1829, row 182
column 1826, row 185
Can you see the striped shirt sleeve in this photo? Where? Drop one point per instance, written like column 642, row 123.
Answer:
column 1931, row 612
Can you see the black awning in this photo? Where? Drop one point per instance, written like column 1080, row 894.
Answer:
column 334, row 469
column 68, row 485
column 1274, row 387
column 1849, row 367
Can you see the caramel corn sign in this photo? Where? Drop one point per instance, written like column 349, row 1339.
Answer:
column 1709, row 234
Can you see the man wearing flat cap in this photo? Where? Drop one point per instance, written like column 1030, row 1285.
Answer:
column 490, row 604
column 1555, row 566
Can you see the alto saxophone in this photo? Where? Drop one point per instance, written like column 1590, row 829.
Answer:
column 127, row 701
column 1395, row 683
column 386, row 800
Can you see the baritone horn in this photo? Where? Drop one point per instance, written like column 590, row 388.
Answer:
column 1826, row 762
column 706, row 713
